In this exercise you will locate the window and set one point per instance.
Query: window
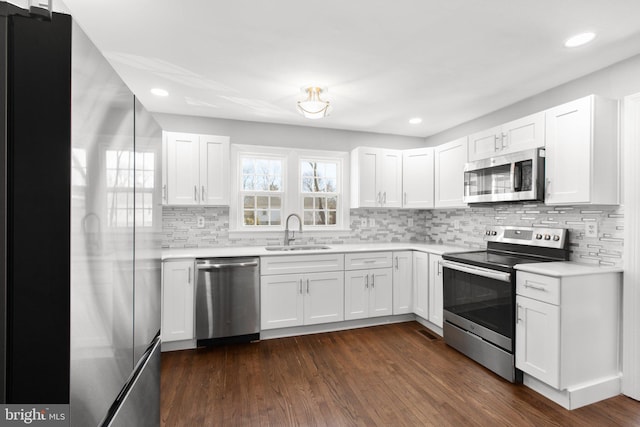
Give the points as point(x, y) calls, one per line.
point(122, 180)
point(319, 192)
point(272, 182)
point(261, 191)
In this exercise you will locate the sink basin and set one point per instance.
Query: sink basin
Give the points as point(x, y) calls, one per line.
point(296, 248)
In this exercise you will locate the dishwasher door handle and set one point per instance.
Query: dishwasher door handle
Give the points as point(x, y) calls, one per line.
point(226, 265)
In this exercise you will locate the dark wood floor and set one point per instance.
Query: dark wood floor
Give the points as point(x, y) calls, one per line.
point(389, 375)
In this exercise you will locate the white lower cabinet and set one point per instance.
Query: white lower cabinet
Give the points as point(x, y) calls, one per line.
point(568, 335)
point(178, 278)
point(421, 284)
point(301, 299)
point(435, 289)
point(368, 293)
point(403, 282)
point(297, 299)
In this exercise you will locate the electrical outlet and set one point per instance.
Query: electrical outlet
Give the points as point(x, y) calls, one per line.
point(363, 222)
point(372, 222)
point(410, 222)
point(200, 222)
point(591, 229)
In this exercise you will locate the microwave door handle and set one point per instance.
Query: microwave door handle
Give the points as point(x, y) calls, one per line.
point(516, 176)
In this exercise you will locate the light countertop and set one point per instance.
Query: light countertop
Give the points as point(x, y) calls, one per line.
point(565, 269)
point(242, 251)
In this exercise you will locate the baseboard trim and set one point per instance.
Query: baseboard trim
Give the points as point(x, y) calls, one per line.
point(580, 395)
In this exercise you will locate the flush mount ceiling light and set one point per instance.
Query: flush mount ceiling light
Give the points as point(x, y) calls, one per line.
point(313, 107)
point(579, 39)
point(415, 120)
point(159, 92)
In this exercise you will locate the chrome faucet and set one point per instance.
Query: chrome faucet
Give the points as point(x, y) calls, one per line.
point(288, 239)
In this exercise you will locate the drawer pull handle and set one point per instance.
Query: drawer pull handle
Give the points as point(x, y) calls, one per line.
point(537, 288)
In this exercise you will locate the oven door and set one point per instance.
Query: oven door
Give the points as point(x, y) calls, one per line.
point(480, 301)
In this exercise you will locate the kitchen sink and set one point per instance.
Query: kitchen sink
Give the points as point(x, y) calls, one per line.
point(296, 248)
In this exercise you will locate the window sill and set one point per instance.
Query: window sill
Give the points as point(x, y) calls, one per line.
point(279, 232)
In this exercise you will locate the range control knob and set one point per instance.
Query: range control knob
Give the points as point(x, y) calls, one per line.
point(547, 237)
point(488, 233)
point(493, 233)
point(539, 236)
point(556, 238)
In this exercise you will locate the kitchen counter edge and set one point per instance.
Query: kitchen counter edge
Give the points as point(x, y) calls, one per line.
point(566, 269)
point(246, 251)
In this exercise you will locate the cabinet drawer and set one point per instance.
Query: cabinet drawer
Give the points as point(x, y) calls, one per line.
point(538, 287)
point(359, 261)
point(291, 264)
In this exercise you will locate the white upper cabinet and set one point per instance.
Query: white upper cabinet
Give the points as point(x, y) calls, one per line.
point(521, 134)
point(376, 177)
point(582, 153)
point(450, 159)
point(417, 178)
point(197, 169)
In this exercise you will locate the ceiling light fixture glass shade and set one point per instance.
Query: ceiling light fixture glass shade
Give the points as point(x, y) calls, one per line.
point(579, 39)
point(313, 107)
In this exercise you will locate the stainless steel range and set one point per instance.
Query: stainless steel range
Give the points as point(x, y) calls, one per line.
point(480, 292)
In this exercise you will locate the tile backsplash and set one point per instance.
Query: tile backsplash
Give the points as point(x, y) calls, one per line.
point(463, 227)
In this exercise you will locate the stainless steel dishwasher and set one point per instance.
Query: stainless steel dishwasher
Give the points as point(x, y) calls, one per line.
point(227, 300)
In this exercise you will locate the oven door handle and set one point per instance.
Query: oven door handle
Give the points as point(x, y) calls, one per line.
point(478, 271)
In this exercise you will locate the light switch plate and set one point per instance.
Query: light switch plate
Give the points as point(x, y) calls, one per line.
point(591, 229)
point(200, 222)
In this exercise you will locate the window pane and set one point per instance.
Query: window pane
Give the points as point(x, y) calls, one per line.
point(275, 202)
point(148, 200)
point(307, 169)
point(112, 160)
point(275, 167)
point(149, 162)
point(308, 203)
point(249, 218)
point(148, 179)
point(332, 218)
point(331, 170)
point(320, 218)
point(248, 168)
point(275, 183)
point(111, 178)
point(307, 185)
point(262, 202)
point(249, 202)
point(308, 218)
point(247, 182)
point(332, 203)
point(330, 186)
point(275, 218)
point(262, 167)
point(262, 218)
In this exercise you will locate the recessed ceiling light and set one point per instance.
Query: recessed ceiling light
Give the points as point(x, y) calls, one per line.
point(159, 92)
point(415, 120)
point(579, 39)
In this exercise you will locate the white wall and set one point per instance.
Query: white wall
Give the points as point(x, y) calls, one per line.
point(256, 133)
point(615, 82)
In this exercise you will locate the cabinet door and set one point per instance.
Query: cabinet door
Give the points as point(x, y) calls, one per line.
point(568, 147)
point(449, 160)
point(485, 144)
point(356, 294)
point(421, 284)
point(403, 282)
point(183, 175)
point(364, 178)
point(538, 340)
point(435, 289)
point(214, 170)
point(523, 134)
point(417, 178)
point(389, 172)
point(281, 301)
point(381, 292)
point(178, 279)
point(324, 297)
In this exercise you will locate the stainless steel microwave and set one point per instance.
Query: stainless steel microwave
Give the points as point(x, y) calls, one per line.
point(510, 178)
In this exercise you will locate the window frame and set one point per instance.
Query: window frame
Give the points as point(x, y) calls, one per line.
point(293, 199)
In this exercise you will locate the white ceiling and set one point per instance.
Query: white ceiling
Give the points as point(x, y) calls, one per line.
point(447, 61)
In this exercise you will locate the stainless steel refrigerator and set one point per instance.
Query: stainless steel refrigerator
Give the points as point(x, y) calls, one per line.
point(80, 184)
